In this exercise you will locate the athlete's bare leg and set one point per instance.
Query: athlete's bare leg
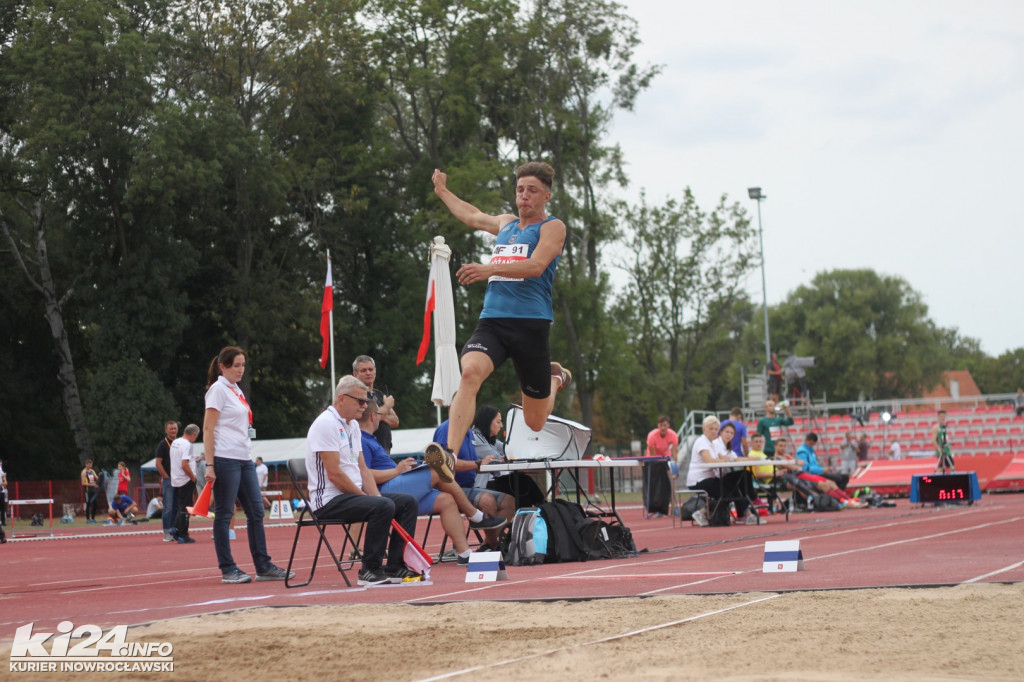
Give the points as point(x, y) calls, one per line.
point(476, 367)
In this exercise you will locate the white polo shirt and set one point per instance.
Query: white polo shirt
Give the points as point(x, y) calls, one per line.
point(330, 433)
point(699, 469)
point(231, 435)
point(181, 456)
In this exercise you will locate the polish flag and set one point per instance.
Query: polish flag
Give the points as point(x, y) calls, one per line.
point(325, 316)
point(414, 556)
point(428, 310)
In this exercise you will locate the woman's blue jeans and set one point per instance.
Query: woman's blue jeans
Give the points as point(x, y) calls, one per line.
point(236, 479)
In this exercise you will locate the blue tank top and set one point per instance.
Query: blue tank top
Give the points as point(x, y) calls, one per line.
point(528, 297)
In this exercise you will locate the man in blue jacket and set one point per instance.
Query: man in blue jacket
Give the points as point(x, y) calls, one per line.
point(813, 466)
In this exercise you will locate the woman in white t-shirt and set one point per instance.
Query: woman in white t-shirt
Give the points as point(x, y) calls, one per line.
point(733, 484)
point(227, 430)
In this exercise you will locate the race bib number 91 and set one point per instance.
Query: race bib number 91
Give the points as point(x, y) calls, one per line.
point(508, 253)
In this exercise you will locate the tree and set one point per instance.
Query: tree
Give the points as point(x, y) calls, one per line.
point(870, 335)
point(76, 91)
point(684, 300)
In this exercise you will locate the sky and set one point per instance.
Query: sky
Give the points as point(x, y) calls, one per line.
point(885, 135)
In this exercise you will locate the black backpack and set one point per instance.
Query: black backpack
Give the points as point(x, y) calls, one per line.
point(564, 540)
point(825, 502)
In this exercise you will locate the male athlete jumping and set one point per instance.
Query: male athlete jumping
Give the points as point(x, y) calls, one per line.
point(516, 319)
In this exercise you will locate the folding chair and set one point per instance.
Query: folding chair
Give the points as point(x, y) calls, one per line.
point(299, 476)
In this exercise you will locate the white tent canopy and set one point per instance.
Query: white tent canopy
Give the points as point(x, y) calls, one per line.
point(405, 443)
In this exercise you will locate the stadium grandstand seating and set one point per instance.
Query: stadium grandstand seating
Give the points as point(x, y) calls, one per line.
point(985, 429)
point(986, 439)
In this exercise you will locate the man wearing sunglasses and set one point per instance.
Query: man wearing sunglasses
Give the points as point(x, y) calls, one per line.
point(341, 487)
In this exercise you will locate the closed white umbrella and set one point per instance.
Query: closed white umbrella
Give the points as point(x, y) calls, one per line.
point(446, 358)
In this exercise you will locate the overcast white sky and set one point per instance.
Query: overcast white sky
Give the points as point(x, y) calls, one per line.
point(885, 134)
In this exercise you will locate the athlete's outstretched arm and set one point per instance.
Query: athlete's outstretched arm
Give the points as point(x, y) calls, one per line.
point(463, 210)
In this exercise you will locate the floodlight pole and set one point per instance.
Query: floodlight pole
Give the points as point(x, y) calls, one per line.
point(755, 194)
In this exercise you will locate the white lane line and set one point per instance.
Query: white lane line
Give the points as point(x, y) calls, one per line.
point(635, 576)
point(835, 554)
point(996, 572)
point(612, 638)
point(906, 541)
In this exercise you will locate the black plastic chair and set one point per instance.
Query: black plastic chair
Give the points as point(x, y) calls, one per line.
point(299, 476)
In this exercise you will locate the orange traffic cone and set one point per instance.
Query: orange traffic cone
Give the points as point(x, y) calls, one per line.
point(202, 507)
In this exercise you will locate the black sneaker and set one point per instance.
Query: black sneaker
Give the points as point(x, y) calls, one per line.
point(370, 577)
point(401, 574)
point(235, 577)
point(463, 560)
point(488, 522)
point(441, 461)
point(185, 540)
point(274, 573)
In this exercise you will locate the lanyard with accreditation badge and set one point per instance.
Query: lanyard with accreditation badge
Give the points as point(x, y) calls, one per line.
point(238, 392)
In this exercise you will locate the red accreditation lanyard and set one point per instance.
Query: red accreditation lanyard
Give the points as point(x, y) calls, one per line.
point(241, 397)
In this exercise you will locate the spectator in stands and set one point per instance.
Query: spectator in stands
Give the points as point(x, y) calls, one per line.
point(341, 487)
point(365, 369)
point(734, 484)
point(940, 439)
point(155, 508)
point(863, 448)
point(263, 478)
point(895, 451)
point(124, 478)
point(739, 443)
point(771, 425)
point(422, 483)
point(183, 478)
point(848, 453)
point(228, 429)
point(122, 509)
point(467, 465)
point(163, 467)
point(1018, 402)
point(663, 441)
point(813, 466)
point(90, 490)
point(487, 425)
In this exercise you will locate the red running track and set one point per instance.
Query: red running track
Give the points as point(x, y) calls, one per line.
point(132, 577)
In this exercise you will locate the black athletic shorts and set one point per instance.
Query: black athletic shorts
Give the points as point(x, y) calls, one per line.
point(523, 340)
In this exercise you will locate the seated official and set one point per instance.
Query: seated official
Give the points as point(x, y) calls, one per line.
point(467, 465)
point(486, 426)
point(422, 483)
point(734, 484)
point(342, 488)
